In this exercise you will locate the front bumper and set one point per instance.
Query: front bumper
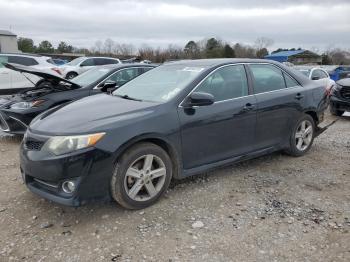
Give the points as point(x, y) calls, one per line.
point(44, 174)
point(12, 124)
point(339, 104)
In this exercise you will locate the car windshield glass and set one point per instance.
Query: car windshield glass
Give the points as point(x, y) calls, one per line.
point(76, 61)
point(90, 76)
point(305, 72)
point(160, 84)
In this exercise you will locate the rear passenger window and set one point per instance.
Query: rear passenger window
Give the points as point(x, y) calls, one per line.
point(290, 82)
point(145, 69)
point(226, 83)
point(267, 78)
point(3, 60)
point(26, 61)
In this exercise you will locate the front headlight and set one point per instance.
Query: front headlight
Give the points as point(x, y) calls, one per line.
point(60, 145)
point(26, 105)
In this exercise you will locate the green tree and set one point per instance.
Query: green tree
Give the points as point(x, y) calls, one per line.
point(63, 47)
point(192, 50)
point(45, 47)
point(262, 53)
point(26, 45)
point(228, 52)
point(213, 48)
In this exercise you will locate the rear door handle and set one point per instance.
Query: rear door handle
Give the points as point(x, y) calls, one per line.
point(299, 96)
point(248, 107)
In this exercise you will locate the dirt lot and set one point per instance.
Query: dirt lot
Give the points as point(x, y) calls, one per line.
point(274, 208)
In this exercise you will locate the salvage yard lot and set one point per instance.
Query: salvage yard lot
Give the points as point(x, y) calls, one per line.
point(274, 208)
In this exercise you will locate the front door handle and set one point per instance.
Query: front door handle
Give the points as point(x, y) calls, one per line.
point(248, 107)
point(299, 96)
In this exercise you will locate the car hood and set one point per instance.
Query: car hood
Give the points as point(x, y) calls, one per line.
point(40, 73)
point(344, 82)
point(97, 113)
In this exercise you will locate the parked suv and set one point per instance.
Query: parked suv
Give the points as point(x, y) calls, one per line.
point(340, 97)
point(83, 64)
point(179, 119)
point(13, 81)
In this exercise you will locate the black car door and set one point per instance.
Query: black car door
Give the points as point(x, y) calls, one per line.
point(223, 129)
point(120, 77)
point(280, 103)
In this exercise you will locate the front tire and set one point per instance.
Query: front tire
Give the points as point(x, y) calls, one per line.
point(302, 136)
point(141, 176)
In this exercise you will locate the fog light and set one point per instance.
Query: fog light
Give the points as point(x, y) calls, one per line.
point(68, 187)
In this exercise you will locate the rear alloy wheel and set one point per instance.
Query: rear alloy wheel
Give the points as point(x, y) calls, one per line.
point(141, 176)
point(302, 136)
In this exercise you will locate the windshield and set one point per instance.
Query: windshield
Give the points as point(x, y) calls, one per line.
point(90, 76)
point(159, 84)
point(76, 61)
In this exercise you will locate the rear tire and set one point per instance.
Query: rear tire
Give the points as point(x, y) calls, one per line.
point(71, 75)
point(141, 176)
point(335, 112)
point(302, 137)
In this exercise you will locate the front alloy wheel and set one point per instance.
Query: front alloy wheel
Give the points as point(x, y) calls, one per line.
point(141, 176)
point(145, 178)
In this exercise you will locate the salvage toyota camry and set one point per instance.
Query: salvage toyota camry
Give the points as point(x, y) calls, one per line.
point(177, 120)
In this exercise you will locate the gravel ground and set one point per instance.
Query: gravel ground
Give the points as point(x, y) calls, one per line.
point(274, 208)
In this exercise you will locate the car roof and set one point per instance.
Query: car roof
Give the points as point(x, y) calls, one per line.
point(21, 54)
point(218, 61)
point(119, 66)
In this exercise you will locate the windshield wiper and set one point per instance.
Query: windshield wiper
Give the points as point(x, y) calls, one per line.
point(129, 98)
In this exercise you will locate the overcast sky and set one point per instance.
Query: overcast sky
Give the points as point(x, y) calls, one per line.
point(290, 23)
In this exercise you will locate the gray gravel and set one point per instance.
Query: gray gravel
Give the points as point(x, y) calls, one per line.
point(274, 208)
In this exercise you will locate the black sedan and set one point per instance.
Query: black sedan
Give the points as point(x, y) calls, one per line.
point(177, 120)
point(340, 97)
point(18, 111)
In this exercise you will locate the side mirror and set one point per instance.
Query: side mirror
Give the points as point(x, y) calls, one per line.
point(315, 78)
point(108, 86)
point(200, 99)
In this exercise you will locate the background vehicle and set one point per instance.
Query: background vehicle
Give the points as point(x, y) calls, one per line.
point(83, 64)
point(338, 72)
point(340, 97)
point(177, 120)
point(59, 62)
point(18, 111)
point(13, 81)
point(317, 74)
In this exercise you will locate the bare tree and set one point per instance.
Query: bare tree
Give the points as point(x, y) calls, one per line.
point(263, 42)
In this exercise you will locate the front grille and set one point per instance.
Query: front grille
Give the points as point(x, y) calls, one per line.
point(33, 145)
point(345, 92)
point(3, 124)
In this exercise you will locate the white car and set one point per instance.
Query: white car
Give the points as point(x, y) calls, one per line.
point(317, 74)
point(13, 81)
point(83, 64)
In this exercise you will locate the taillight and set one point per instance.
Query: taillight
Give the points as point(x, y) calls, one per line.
point(56, 70)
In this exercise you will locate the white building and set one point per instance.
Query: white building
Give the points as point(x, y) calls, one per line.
point(8, 42)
